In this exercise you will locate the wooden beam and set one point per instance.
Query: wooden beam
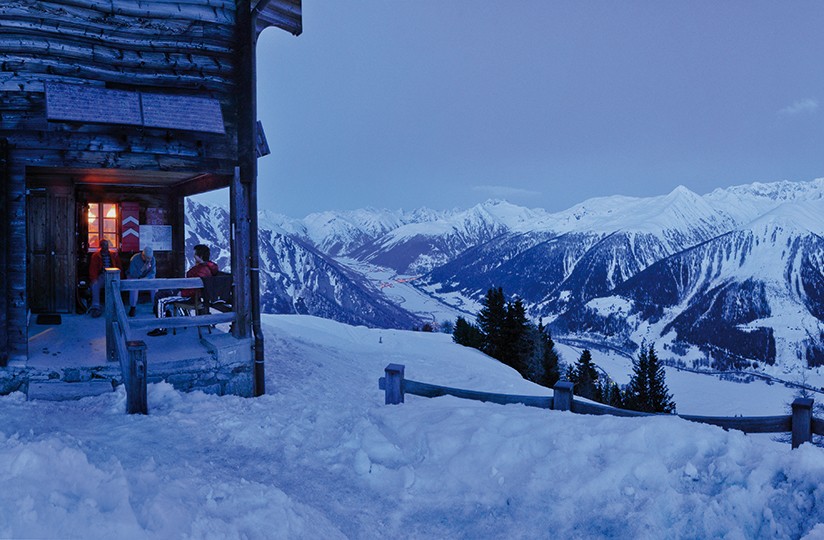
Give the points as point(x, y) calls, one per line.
point(16, 286)
point(5, 247)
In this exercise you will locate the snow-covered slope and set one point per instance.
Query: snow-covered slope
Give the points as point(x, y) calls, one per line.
point(321, 456)
point(753, 294)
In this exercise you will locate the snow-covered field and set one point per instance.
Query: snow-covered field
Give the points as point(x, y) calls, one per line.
point(321, 456)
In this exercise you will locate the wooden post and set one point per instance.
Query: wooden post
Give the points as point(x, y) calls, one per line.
point(802, 421)
point(17, 300)
point(562, 398)
point(112, 277)
point(136, 402)
point(4, 250)
point(394, 384)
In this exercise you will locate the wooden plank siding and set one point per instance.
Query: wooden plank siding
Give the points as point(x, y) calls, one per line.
point(5, 249)
point(181, 47)
point(16, 260)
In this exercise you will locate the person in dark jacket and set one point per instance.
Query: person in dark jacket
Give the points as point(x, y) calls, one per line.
point(203, 267)
point(141, 266)
point(101, 259)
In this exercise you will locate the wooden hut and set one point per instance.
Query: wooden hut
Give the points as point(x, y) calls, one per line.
point(111, 113)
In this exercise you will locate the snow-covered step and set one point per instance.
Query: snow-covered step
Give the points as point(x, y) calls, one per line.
point(63, 391)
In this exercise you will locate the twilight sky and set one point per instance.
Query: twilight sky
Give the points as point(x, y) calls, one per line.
point(543, 103)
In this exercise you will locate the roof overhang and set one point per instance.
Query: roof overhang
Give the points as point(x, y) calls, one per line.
point(181, 183)
point(284, 14)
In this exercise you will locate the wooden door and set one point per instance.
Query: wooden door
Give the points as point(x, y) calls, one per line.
point(50, 249)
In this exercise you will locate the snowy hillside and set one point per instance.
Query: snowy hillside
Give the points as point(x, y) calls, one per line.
point(321, 456)
point(752, 295)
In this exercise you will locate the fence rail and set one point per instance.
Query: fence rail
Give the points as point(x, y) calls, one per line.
point(800, 423)
point(121, 343)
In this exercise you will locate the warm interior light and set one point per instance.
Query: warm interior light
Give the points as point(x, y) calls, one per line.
point(112, 213)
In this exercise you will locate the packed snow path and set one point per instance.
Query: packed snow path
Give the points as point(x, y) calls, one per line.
point(321, 456)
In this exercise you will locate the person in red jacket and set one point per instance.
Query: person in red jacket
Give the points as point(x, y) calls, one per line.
point(203, 267)
point(101, 259)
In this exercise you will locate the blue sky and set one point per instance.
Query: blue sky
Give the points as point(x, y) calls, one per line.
point(544, 103)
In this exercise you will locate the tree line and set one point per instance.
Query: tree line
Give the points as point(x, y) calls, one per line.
point(504, 332)
point(647, 389)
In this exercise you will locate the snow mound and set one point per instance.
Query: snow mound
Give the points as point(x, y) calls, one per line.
point(321, 456)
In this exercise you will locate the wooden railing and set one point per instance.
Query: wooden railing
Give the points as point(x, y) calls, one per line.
point(800, 423)
point(122, 344)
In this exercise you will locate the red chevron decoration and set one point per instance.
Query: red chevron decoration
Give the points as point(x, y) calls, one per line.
point(130, 226)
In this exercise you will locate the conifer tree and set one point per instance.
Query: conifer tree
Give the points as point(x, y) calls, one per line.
point(660, 400)
point(613, 395)
point(637, 396)
point(585, 377)
point(647, 390)
point(517, 347)
point(467, 334)
point(491, 323)
point(549, 361)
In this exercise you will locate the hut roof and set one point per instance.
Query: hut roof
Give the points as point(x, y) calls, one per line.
point(285, 14)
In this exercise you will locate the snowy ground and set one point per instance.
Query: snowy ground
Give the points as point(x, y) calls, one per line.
point(321, 456)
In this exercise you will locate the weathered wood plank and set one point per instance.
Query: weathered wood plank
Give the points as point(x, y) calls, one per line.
point(170, 36)
point(161, 283)
point(118, 11)
point(120, 160)
point(16, 285)
point(431, 390)
point(4, 245)
point(33, 50)
point(181, 322)
point(818, 426)
point(751, 424)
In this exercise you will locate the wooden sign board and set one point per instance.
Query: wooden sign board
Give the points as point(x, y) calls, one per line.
point(182, 112)
point(92, 104)
point(82, 103)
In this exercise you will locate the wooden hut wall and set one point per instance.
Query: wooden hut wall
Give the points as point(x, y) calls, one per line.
point(172, 47)
point(4, 249)
point(158, 46)
point(16, 258)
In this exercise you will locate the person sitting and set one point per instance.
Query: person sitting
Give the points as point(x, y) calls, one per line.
point(141, 266)
point(102, 258)
point(203, 267)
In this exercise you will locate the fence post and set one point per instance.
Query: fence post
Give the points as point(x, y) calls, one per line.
point(802, 422)
point(562, 396)
point(136, 402)
point(112, 277)
point(393, 391)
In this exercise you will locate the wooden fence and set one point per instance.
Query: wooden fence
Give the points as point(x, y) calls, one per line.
point(800, 423)
point(121, 342)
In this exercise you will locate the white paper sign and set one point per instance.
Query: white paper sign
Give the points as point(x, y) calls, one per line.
point(159, 237)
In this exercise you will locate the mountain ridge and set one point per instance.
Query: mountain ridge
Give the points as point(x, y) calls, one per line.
point(732, 275)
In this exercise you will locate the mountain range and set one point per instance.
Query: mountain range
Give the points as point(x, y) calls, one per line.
point(729, 279)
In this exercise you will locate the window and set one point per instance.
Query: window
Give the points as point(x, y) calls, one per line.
point(103, 221)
